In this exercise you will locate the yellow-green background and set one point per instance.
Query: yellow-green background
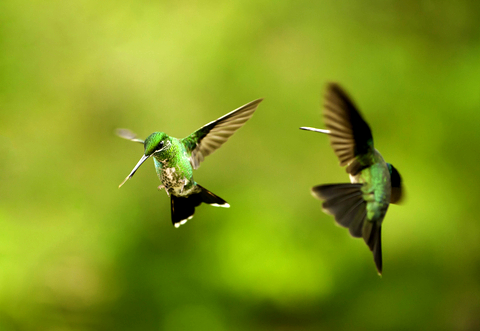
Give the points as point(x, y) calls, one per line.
point(77, 253)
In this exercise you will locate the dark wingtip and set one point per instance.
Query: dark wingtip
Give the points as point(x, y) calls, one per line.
point(336, 88)
point(255, 102)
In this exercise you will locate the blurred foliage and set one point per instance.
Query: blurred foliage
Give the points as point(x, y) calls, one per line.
point(77, 253)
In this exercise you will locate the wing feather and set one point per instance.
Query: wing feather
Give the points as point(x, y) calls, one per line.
point(350, 135)
point(210, 137)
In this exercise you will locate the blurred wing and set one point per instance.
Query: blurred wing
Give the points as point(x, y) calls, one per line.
point(127, 134)
point(350, 135)
point(346, 203)
point(210, 137)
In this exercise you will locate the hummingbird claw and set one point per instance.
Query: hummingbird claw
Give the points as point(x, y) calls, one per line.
point(161, 187)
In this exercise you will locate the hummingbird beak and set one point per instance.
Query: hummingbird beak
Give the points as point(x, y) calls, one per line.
point(315, 130)
point(143, 159)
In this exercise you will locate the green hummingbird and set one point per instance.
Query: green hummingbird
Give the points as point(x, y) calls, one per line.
point(362, 204)
point(175, 160)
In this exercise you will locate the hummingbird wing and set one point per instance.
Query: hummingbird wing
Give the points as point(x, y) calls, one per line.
point(210, 137)
point(350, 135)
point(127, 134)
point(347, 204)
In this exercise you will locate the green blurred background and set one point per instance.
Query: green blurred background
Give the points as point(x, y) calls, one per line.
point(77, 253)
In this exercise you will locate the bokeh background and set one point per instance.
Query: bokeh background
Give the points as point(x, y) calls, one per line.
point(77, 253)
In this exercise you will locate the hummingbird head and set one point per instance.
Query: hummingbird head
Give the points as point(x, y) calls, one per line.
point(396, 182)
point(155, 142)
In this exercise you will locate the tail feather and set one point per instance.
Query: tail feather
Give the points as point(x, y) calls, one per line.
point(212, 199)
point(345, 202)
point(183, 208)
point(375, 245)
point(372, 235)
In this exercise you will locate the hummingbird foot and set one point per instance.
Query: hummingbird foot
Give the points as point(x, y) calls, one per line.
point(163, 187)
point(184, 182)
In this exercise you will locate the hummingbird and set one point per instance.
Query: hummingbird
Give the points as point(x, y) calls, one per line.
point(362, 204)
point(175, 159)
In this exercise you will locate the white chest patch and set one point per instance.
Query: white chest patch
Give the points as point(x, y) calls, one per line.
point(169, 172)
point(174, 182)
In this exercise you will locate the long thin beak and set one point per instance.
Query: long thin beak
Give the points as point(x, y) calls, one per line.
point(315, 130)
point(143, 159)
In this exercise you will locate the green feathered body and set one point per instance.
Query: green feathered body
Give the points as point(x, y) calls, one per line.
point(174, 169)
point(376, 187)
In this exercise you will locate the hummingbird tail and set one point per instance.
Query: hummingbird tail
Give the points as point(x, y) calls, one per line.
point(372, 234)
point(345, 202)
point(183, 208)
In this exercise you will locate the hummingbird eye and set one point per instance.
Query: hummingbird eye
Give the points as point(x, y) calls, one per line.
point(159, 146)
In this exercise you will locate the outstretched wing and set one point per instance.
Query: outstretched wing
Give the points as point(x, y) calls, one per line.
point(350, 135)
point(210, 137)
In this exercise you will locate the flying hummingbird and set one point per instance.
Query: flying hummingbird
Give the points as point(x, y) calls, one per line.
point(175, 160)
point(362, 204)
